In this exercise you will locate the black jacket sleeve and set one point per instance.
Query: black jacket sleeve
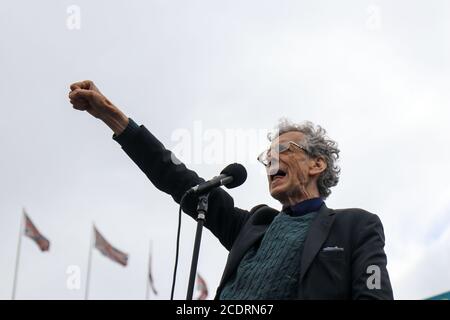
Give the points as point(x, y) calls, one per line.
point(171, 176)
point(370, 278)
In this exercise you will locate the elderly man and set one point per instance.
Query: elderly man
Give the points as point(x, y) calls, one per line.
point(306, 251)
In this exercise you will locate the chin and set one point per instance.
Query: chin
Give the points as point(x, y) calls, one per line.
point(278, 193)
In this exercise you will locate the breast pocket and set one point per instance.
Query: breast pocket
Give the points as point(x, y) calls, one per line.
point(330, 268)
point(332, 254)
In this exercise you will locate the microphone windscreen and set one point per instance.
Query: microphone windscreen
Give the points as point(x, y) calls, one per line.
point(238, 172)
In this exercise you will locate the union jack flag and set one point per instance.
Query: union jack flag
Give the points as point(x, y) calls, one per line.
point(201, 286)
point(108, 250)
point(32, 232)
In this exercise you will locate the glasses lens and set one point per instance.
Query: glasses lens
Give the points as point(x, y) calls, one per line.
point(282, 147)
point(279, 148)
point(274, 151)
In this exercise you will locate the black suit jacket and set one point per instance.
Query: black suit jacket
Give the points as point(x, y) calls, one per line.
point(343, 255)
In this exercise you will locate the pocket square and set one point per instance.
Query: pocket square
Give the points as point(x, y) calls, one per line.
point(335, 248)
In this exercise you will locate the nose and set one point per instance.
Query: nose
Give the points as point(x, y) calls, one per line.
point(273, 166)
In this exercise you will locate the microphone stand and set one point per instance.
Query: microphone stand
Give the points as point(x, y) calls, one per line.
point(202, 209)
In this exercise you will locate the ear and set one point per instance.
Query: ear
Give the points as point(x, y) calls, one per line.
point(317, 165)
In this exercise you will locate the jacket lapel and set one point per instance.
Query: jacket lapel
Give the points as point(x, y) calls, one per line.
point(317, 234)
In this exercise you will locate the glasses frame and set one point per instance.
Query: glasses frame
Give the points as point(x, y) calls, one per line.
point(287, 145)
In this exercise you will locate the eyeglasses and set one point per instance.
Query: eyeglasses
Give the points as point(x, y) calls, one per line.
point(265, 156)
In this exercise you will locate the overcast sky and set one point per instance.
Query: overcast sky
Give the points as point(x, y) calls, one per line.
point(374, 74)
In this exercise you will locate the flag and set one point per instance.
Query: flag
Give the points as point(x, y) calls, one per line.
point(108, 250)
point(201, 286)
point(150, 277)
point(32, 232)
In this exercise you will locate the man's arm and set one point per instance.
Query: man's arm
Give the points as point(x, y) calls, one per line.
point(171, 176)
point(159, 164)
point(370, 278)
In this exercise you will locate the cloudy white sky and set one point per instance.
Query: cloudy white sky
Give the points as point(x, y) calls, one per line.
point(375, 74)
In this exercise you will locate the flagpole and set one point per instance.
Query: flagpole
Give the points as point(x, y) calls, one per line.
point(147, 292)
point(88, 276)
point(19, 246)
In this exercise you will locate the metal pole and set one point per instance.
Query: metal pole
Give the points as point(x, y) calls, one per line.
point(88, 277)
point(147, 278)
point(194, 262)
point(19, 246)
point(202, 209)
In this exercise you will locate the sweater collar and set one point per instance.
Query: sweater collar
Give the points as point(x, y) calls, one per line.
point(304, 207)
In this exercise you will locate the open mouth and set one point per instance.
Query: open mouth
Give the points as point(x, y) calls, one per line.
point(280, 174)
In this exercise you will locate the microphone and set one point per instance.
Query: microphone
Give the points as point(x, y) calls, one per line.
point(231, 177)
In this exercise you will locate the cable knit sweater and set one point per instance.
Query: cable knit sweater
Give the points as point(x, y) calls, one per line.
point(271, 271)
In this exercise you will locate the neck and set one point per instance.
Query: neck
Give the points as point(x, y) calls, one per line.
point(298, 196)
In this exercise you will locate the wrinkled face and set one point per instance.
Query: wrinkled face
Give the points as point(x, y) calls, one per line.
point(289, 172)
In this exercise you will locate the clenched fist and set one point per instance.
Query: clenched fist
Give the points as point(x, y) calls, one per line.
point(85, 96)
